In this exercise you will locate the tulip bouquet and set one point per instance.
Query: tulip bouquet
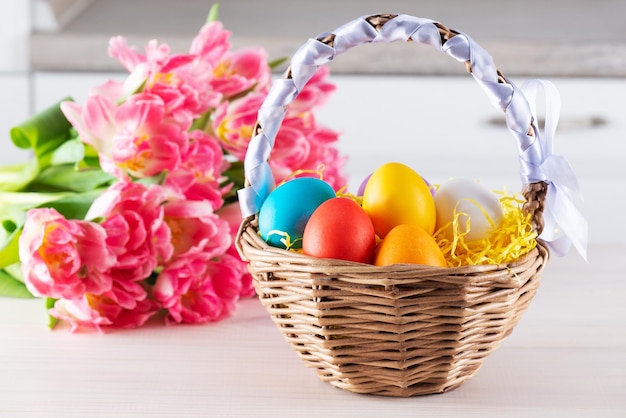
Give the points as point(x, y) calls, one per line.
point(127, 210)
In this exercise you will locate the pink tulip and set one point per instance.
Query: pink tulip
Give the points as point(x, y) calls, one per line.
point(136, 232)
point(109, 309)
point(315, 93)
point(183, 81)
point(111, 90)
point(211, 43)
point(155, 73)
point(128, 56)
point(233, 122)
point(240, 71)
point(191, 286)
point(157, 58)
point(181, 103)
point(136, 317)
point(301, 143)
point(166, 242)
point(199, 176)
point(291, 150)
point(218, 74)
point(195, 289)
point(182, 84)
point(95, 122)
point(145, 143)
point(324, 152)
point(246, 287)
point(194, 227)
point(80, 314)
point(232, 215)
point(63, 258)
point(134, 138)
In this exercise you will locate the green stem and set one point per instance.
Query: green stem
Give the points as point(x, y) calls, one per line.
point(213, 13)
point(29, 200)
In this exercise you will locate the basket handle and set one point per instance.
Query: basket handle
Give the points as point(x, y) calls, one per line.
point(389, 28)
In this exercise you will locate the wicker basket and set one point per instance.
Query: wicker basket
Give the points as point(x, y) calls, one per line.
point(399, 330)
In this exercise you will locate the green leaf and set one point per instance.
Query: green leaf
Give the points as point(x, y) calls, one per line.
point(69, 204)
point(90, 152)
point(52, 321)
point(90, 160)
point(9, 252)
point(235, 175)
point(71, 151)
point(13, 208)
point(17, 176)
point(68, 177)
point(43, 132)
point(9, 225)
point(74, 206)
point(13, 204)
point(201, 122)
point(11, 287)
point(158, 179)
point(88, 163)
point(213, 13)
point(277, 62)
point(242, 94)
point(15, 270)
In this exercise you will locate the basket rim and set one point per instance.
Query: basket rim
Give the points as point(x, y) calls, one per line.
point(253, 249)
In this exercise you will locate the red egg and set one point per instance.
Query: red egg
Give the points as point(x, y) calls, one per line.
point(339, 228)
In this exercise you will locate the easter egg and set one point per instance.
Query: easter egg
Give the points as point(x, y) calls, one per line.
point(395, 194)
point(361, 188)
point(409, 244)
point(430, 187)
point(339, 228)
point(479, 210)
point(285, 212)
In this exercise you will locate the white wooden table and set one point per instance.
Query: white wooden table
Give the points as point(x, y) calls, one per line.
point(566, 358)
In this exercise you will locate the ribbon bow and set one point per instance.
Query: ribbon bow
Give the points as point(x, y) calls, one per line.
point(564, 225)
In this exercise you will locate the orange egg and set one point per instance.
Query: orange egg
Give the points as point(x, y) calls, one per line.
point(395, 194)
point(409, 244)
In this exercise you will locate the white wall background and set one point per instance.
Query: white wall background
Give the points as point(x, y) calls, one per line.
point(14, 75)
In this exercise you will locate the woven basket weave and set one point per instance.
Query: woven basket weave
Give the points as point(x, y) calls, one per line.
point(400, 330)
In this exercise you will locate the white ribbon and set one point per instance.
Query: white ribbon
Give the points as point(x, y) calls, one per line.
point(304, 64)
point(564, 225)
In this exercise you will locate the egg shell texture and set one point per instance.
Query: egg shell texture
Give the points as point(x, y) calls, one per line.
point(339, 228)
point(409, 244)
point(395, 194)
point(286, 211)
point(473, 199)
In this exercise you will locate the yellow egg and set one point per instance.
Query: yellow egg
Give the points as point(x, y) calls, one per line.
point(394, 195)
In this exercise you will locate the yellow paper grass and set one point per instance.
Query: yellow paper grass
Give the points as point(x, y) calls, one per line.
point(509, 241)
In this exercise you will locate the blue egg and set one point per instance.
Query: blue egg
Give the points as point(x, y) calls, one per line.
point(286, 211)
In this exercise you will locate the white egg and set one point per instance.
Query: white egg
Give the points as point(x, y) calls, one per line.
point(470, 199)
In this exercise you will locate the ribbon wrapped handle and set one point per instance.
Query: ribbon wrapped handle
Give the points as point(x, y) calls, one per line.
point(535, 154)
